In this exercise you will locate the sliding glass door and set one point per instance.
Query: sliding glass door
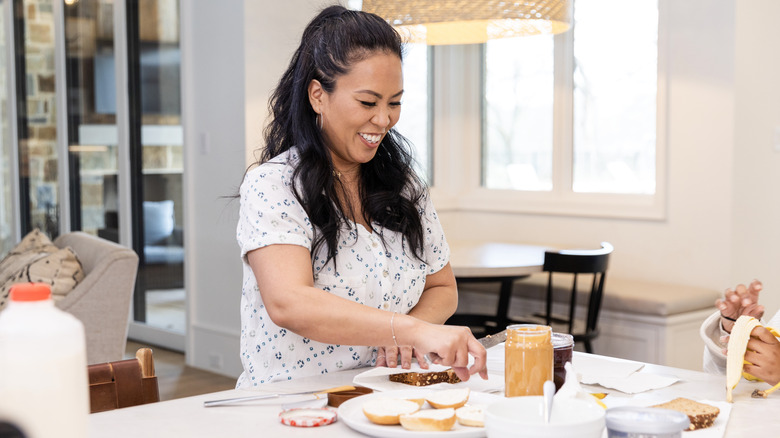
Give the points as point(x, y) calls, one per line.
point(99, 142)
point(8, 234)
point(91, 116)
point(156, 139)
point(36, 122)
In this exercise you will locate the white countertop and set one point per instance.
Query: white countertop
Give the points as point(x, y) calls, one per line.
point(186, 417)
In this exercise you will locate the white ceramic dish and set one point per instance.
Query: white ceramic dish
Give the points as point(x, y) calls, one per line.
point(351, 413)
point(522, 417)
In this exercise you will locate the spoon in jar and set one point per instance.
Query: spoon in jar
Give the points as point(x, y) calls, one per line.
point(549, 391)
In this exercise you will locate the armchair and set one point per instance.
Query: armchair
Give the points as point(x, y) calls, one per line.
point(102, 300)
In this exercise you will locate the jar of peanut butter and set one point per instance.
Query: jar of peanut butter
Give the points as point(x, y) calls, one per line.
point(528, 359)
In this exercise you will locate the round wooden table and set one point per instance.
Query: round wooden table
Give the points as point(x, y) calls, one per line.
point(501, 263)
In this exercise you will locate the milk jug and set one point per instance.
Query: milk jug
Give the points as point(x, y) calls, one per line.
point(43, 366)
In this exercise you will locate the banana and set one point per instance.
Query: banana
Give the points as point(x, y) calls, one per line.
point(735, 360)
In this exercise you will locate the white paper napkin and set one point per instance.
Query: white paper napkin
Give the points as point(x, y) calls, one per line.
point(618, 374)
point(377, 379)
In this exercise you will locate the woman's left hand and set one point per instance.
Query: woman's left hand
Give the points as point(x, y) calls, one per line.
point(388, 357)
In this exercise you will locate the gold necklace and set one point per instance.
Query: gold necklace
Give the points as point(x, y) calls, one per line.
point(337, 173)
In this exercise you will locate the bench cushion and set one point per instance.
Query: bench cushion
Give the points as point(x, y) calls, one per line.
point(621, 295)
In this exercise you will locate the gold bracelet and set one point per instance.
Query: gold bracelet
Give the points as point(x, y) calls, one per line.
point(392, 329)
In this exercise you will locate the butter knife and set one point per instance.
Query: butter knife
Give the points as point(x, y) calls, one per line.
point(230, 401)
point(493, 340)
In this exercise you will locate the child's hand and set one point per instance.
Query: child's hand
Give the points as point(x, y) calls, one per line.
point(763, 352)
point(742, 301)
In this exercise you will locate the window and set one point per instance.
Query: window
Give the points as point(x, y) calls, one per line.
point(615, 96)
point(518, 129)
point(414, 123)
point(570, 123)
point(612, 85)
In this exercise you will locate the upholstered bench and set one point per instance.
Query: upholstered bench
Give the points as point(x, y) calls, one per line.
point(639, 320)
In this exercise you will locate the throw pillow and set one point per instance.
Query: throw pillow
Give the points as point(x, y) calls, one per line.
point(26, 251)
point(37, 259)
point(158, 221)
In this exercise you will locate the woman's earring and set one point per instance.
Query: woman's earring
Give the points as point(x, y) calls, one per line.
point(318, 121)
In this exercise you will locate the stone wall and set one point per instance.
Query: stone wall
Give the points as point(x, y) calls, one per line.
point(38, 146)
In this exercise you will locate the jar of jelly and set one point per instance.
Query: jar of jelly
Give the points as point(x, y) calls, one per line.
point(563, 344)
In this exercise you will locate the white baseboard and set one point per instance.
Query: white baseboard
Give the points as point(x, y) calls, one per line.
point(214, 349)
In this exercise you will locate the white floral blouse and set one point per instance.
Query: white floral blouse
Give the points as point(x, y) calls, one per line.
point(367, 272)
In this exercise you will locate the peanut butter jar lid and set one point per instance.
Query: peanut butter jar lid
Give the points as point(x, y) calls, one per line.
point(335, 399)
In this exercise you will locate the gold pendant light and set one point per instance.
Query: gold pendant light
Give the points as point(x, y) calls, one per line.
point(438, 22)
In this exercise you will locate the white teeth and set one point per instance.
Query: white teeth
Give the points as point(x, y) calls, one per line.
point(371, 138)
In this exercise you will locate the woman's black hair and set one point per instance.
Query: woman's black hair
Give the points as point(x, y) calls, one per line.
point(390, 191)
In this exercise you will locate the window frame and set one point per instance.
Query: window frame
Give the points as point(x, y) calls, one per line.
point(458, 126)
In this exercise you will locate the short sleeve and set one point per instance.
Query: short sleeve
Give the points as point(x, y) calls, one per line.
point(270, 213)
point(435, 248)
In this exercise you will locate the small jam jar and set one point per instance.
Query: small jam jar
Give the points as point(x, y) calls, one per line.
point(563, 344)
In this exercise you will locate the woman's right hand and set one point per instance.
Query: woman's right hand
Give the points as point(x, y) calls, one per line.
point(743, 300)
point(449, 346)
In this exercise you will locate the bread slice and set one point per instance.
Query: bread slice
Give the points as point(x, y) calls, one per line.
point(429, 420)
point(471, 415)
point(425, 378)
point(420, 401)
point(448, 398)
point(701, 415)
point(387, 411)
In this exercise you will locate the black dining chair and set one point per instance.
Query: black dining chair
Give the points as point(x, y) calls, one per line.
point(577, 262)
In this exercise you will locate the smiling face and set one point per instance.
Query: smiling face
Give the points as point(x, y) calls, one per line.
point(364, 105)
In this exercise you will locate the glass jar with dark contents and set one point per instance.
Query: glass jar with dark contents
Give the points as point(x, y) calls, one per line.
point(563, 343)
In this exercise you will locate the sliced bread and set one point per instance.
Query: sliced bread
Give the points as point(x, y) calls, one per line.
point(448, 398)
point(387, 411)
point(425, 378)
point(471, 415)
point(429, 420)
point(701, 415)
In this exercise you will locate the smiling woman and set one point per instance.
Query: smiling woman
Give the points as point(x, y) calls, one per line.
point(345, 261)
point(358, 113)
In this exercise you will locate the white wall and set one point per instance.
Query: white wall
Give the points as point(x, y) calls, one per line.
point(234, 52)
point(722, 174)
point(756, 202)
point(213, 106)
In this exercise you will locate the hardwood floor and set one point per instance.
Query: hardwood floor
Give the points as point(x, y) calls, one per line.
point(175, 379)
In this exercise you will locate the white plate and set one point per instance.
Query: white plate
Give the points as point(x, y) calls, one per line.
point(377, 379)
point(351, 413)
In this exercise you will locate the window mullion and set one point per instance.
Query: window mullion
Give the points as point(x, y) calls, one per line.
point(563, 116)
point(11, 108)
point(61, 99)
point(122, 124)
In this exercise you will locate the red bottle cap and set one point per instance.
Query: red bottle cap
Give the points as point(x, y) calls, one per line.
point(30, 292)
point(308, 417)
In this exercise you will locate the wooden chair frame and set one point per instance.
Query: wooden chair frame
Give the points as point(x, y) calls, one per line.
point(123, 383)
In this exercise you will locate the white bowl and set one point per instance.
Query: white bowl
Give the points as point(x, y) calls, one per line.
point(524, 417)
